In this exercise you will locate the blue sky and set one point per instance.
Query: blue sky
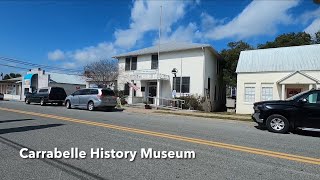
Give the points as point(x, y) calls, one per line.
point(70, 34)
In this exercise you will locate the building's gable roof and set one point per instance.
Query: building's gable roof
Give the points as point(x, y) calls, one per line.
point(166, 47)
point(66, 78)
point(298, 75)
point(285, 59)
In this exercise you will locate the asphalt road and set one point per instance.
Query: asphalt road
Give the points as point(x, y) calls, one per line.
point(259, 154)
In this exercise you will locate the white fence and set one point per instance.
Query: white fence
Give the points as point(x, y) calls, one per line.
point(12, 97)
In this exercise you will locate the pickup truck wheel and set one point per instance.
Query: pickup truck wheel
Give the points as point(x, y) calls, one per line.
point(27, 101)
point(68, 104)
point(42, 103)
point(278, 124)
point(90, 106)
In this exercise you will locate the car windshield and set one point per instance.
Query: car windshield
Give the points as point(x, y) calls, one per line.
point(296, 96)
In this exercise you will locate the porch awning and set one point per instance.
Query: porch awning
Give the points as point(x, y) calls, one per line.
point(298, 78)
point(148, 75)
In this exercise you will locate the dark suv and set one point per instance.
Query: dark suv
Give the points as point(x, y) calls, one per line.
point(299, 111)
point(47, 95)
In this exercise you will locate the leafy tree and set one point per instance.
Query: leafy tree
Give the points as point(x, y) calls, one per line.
point(11, 75)
point(231, 56)
point(289, 39)
point(316, 38)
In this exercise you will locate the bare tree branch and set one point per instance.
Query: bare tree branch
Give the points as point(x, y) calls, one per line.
point(102, 72)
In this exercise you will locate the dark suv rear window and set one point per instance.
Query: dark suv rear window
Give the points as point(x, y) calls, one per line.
point(43, 90)
point(107, 92)
point(59, 91)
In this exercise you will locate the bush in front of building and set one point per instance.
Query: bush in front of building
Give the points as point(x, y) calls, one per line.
point(122, 96)
point(193, 102)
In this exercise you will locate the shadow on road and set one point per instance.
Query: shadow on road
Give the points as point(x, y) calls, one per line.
point(15, 120)
point(307, 133)
point(27, 128)
point(101, 110)
point(65, 167)
point(260, 127)
point(297, 132)
point(111, 110)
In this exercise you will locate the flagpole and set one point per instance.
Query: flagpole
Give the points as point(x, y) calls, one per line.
point(158, 74)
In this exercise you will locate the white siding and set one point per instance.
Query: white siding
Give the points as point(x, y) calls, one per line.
point(191, 62)
point(210, 66)
point(270, 78)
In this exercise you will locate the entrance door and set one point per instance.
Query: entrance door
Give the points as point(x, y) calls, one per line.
point(293, 91)
point(152, 92)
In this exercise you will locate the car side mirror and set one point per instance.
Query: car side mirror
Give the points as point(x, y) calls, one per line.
point(303, 101)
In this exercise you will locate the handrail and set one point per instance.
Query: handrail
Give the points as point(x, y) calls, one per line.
point(166, 102)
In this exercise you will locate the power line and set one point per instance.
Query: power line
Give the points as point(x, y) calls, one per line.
point(17, 67)
point(38, 65)
point(13, 66)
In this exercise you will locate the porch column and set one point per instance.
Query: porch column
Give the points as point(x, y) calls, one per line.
point(130, 97)
point(158, 92)
point(310, 86)
point(283, 91)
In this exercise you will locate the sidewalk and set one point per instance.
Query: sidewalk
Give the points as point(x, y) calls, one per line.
point(215, 115)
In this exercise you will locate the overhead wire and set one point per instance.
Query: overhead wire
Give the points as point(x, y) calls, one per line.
point(37, 65)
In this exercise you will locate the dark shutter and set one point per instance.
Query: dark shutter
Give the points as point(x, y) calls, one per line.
point(134, 63)
point(127, 66)
point(154, 61)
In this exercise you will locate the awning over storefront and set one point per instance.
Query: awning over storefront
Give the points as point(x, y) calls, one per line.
point(27, 79)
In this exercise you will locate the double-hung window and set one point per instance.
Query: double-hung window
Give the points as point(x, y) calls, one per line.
point(154, 61)
point(249, 93)
point(266, 93)
point(131, 63)
point(185, 84)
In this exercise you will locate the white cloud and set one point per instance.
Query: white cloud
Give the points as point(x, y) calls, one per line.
point(208, 22)
point(56, 55)
point(258, 18)
point(145, 17)
point(309, 15)
point(70, 65)
point(93, 53)
point(314, 17)
point(313, 27)
point(189, 33)
point(81, 57)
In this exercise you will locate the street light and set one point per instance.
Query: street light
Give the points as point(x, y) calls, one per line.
point(174, 72)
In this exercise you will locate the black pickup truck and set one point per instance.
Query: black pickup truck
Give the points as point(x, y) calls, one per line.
point(299, 111)
point(47, 95)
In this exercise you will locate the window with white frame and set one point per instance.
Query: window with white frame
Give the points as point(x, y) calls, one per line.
point(249, 93)
point(266, 93)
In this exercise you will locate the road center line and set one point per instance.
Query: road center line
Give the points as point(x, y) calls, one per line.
point(274, 154)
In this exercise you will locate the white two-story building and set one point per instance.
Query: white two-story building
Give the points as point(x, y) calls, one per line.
point(146, 75)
